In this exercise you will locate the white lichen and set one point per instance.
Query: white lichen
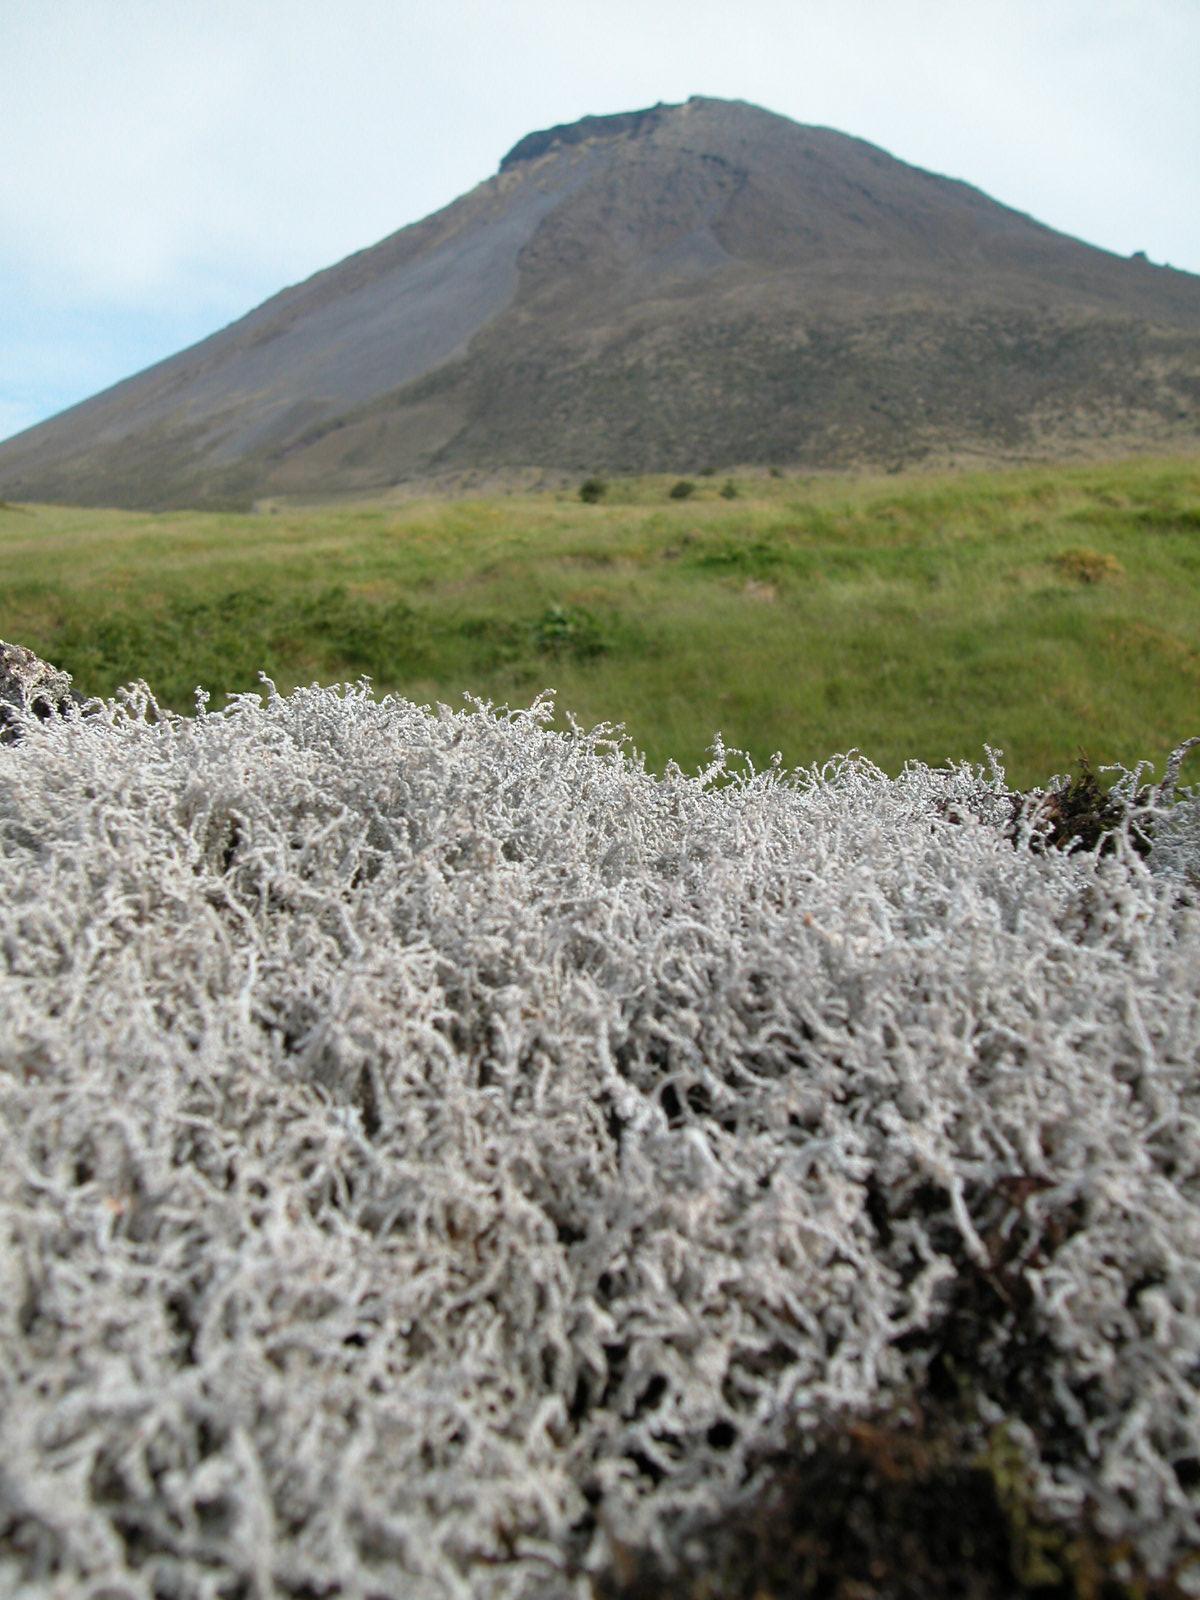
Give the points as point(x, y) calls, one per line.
point(433, 1147)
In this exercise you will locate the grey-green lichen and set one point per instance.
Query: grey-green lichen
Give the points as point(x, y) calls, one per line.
point(439, 1157)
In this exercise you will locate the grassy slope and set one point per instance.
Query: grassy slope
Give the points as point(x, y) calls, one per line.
point(917, 617)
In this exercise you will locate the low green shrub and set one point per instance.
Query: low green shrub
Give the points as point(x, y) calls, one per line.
point(568, 631)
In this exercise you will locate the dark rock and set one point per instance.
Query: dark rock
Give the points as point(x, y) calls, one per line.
point(31, 687)
point(567, 133)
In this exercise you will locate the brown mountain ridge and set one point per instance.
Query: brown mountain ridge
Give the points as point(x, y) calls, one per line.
point(706, 283)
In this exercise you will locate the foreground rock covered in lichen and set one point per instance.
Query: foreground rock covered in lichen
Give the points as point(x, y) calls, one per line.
point(441, 1158)
point(29, 688)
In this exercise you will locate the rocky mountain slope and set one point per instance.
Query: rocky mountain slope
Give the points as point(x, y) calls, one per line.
point(706, 282)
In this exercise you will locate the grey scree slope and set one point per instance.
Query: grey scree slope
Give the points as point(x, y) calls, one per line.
point(349, 1236)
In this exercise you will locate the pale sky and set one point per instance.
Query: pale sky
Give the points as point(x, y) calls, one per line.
point(165, 165)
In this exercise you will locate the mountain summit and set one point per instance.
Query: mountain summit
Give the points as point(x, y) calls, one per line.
point(659, 289)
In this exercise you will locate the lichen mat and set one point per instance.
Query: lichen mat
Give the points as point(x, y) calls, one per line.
point(438, 1152)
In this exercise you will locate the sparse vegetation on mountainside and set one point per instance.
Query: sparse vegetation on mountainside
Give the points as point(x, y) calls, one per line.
point(1040, 610)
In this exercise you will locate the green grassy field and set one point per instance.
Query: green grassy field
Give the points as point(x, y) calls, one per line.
point(1043, 611)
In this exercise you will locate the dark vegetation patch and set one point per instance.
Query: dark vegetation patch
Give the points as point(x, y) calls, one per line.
point(1169, 516)
point(229, 638)
point(569, 630)
point(752, 557)
point(1082, 813)
point(916, 1504)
